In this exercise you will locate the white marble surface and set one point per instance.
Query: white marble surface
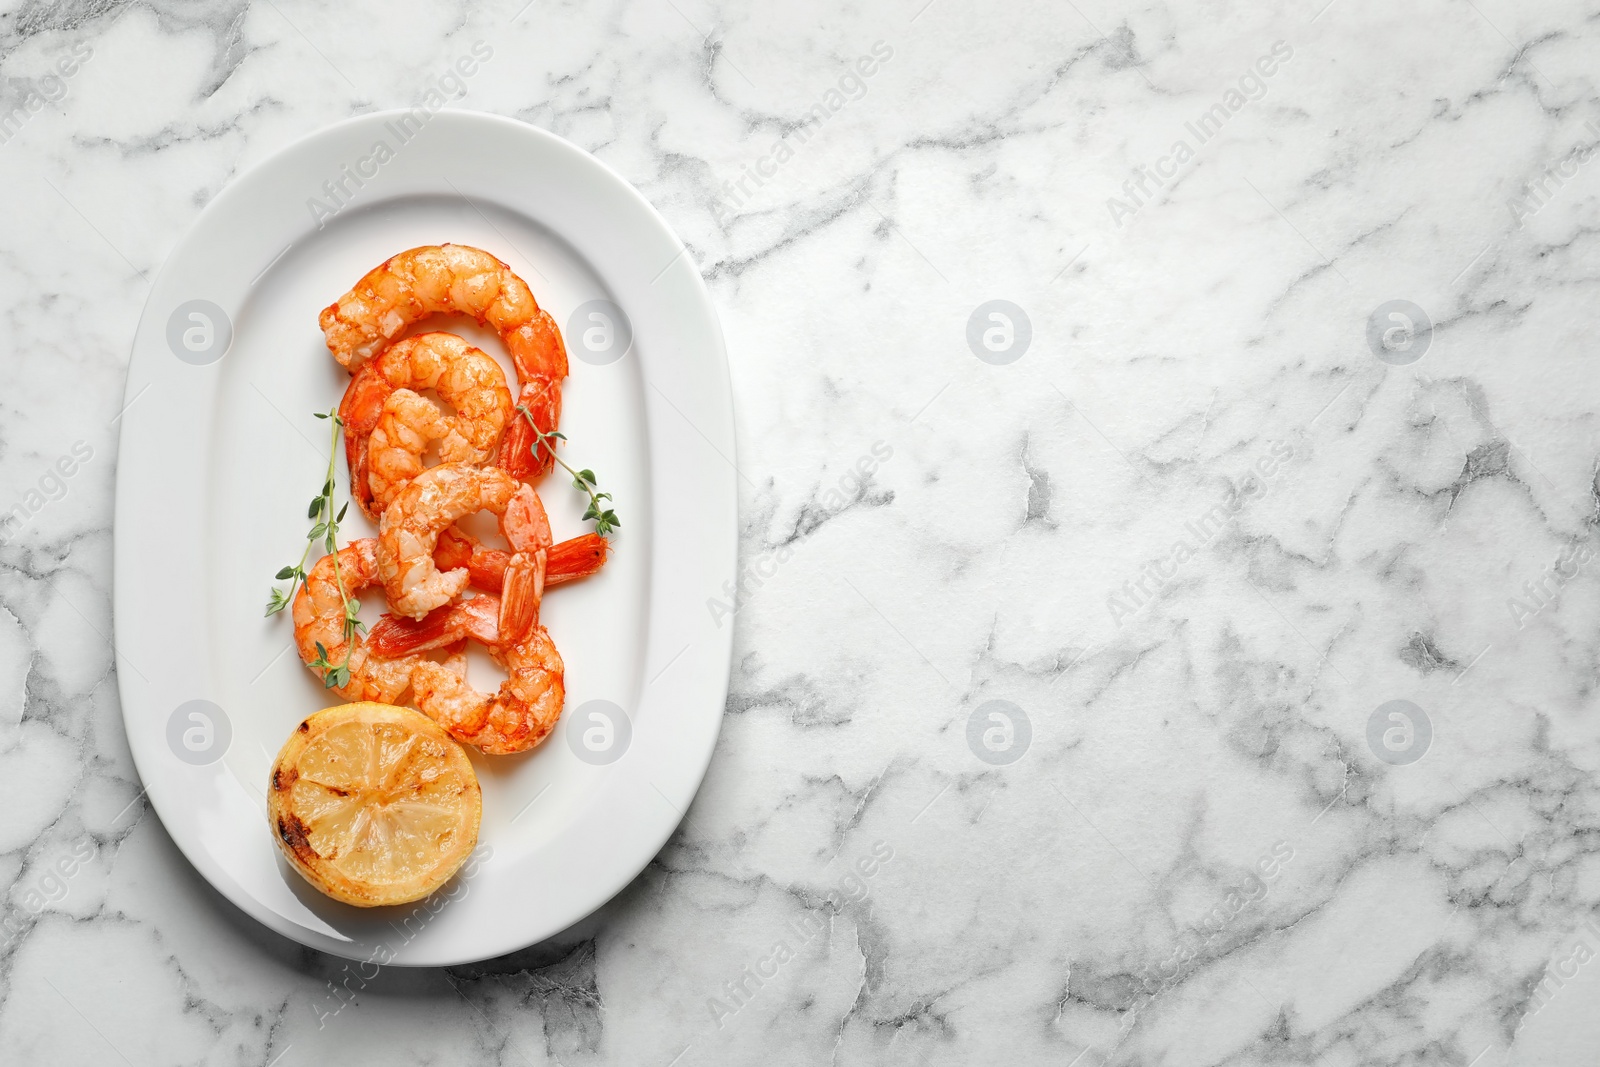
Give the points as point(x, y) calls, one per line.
point(1199, 858)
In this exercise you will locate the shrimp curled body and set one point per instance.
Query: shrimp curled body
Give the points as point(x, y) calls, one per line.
point(319, 618)
point(435, 279)
point(409, 532)
point(389, 425)
point(528, 703)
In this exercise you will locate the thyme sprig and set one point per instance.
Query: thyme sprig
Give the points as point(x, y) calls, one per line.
point(326, 529)
point(605, 519)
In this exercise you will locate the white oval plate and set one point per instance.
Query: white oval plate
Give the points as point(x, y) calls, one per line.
point(220, 459)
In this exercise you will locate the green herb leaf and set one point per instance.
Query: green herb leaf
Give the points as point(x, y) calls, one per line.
point(585, 481)
point(321, 507)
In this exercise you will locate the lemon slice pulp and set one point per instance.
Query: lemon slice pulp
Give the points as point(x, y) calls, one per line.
point(374, 804)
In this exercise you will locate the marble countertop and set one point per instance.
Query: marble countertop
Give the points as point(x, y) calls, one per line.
point(1168, 625)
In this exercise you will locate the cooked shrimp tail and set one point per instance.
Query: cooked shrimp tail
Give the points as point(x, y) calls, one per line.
point(528, 529)
point(574, 558)
point(519, 455)
point(477, 618)
point(521, 593)
point(525, 523)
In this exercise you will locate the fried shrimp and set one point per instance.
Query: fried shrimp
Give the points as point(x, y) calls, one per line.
point(409, 532)
point(319, 619)
point(389, 425)
point(528, 703)
point(435, 279)
point(574, 558)
point(517, 717)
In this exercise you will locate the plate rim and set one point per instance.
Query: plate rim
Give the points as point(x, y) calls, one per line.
point(163, 793)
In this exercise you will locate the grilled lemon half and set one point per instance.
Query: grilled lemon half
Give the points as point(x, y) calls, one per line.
point(374, 804)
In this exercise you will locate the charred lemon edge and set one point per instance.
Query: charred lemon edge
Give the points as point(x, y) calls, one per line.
point(293, 836)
